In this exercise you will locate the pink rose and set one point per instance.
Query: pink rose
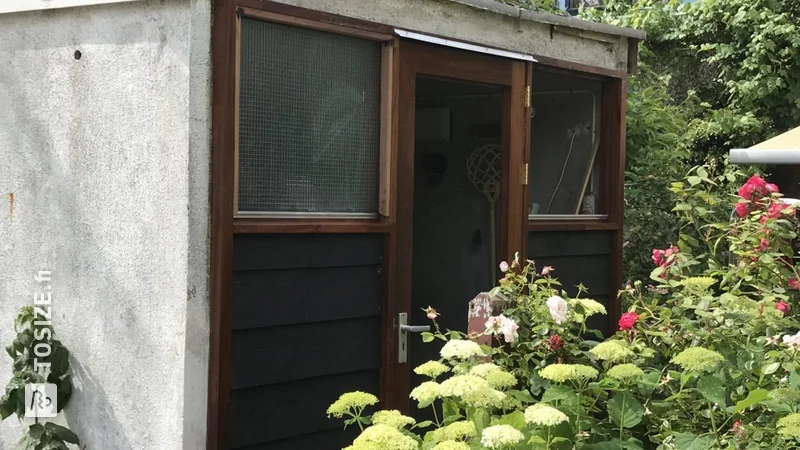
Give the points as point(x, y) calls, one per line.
point(794, 283)
point(504, 267)
point(658, 256)
point(782, 306)
point(546, 270)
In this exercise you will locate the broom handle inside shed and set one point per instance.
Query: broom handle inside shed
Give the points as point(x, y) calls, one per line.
point(493, 250)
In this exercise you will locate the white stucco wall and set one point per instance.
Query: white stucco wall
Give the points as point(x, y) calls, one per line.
point(107, 157)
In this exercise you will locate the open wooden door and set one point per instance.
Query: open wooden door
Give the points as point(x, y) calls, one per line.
point(466, 166)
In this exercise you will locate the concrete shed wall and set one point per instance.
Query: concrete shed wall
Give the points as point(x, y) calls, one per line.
point(107, 159)
point(495, 26)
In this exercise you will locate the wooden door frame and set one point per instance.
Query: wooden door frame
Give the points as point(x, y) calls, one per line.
point(221, 197)
point(437, 61)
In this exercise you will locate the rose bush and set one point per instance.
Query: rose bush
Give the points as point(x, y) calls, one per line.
point(705, 355)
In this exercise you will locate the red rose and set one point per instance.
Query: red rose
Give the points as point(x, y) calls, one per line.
point(555, 342)
point(742, 209)
point(753, 188)
point(763, 245)
point(628, 320)
point(782, 306)
point(794, 283)
point(772, 188)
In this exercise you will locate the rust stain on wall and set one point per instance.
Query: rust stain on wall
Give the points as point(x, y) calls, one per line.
point(10, 205)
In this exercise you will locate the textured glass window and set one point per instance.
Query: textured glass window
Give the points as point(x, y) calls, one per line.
point(309, 120)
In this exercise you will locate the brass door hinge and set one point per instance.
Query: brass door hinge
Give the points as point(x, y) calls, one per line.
point(527, 96)
point(525, 176)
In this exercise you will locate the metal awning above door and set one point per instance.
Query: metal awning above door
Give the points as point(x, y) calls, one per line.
point(463, 45)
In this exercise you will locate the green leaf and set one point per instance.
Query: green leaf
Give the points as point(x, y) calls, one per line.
point(712, 389)
point(557, 393)
point(753, 398)
point(36, 431)
point(450, 408)
point(769, 369)
point(625, 411)
point(481, 419)
point(689, 441)
point(65, 434)
point(8, 404)
point(427, 336)
point(516, 419)
point(424, 424)
point(694, 180)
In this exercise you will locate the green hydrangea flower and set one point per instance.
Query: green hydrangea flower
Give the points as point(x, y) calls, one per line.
point(785, 395)
point(393, 418)
point(698, 285)
point(789, 426)
point(451, 445)
point(351, 402)
point(388, 438)
point(625, 372)
point(568, 372)
point(472, 390)
point(426, 393)
point(612, 351)
point(461, 349)
point(500, 436)
point(496, 376)
point(456, 431)
point(431, 369)
point(698, 359)
point(544, 415)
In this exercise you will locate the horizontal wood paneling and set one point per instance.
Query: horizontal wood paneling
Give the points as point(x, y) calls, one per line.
point(593, 271)
point(279, 354)
point(568, 243)
point(280, 411)
point(306, 328)
point(295, 251)
point(304, 295)
point(333, 439)
point(577, 257)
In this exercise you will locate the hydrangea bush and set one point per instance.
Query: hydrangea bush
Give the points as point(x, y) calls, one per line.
point(706, 355)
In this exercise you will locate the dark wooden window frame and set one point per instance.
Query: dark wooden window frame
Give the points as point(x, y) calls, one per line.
point(257, 222)
point(224, 225)
point(606, 154)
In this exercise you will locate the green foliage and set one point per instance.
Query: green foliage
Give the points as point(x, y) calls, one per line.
point(550, 6)
point(32, 329)
point(706, 358)
point(714, 75)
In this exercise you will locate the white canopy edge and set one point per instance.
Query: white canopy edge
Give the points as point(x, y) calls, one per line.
point(790, 156)
point(463, 45)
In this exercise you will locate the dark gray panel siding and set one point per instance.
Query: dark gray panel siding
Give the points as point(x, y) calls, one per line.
point(306, 323)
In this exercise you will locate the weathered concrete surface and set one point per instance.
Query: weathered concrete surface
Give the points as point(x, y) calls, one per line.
point(491, 24)
point(107, 158)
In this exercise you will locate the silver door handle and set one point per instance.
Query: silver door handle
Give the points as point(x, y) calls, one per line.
point(414, 328)
point(403, 328)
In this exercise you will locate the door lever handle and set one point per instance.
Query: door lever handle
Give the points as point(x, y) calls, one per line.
point(403, 328)
point(414, 328)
